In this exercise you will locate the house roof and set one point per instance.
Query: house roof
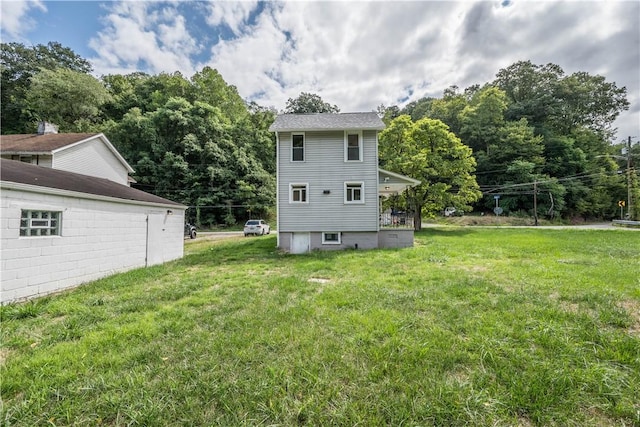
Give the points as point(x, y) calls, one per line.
point(326, 121)
point(393, 183)
point(40, 144)
point(15, 172)
point(51, 143)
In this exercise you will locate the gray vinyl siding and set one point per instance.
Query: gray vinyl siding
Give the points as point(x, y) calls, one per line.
point(323, 169)
point(91, 158)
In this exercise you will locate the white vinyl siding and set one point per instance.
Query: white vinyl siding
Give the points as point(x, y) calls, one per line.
point(91, 158)
point(325, 171)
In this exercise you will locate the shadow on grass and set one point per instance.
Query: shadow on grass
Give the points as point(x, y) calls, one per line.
point(444, 231)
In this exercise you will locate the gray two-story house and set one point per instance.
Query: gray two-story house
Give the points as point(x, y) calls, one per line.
point(329, 186)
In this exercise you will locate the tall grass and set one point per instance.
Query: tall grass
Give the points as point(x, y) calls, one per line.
point(469, 327)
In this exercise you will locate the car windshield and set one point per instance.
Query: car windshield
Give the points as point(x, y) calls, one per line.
point(252, 223)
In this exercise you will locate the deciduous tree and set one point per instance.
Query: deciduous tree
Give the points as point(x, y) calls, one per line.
point(428, 151)
point(309, 103)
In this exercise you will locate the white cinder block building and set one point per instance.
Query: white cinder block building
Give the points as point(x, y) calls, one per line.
point(59, 229)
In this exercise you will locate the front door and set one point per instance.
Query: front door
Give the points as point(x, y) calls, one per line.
point(299, 243)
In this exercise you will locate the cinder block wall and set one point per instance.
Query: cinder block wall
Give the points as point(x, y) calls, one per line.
point(99, 238)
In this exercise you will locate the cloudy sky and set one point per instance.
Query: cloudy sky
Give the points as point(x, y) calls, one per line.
point(357, 55)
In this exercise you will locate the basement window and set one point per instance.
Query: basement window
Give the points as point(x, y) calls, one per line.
point(40, 223)
point(331, 238)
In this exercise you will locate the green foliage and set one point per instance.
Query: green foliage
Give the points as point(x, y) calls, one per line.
point(70, 99)
point(18, 63)
point(426, 150)
point(550, 100)
point(309, 103)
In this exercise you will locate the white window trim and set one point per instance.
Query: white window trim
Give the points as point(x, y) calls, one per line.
point(346, 145)
point(331, 242)
point(298, 184)
point(354, 202)
point(304, 147)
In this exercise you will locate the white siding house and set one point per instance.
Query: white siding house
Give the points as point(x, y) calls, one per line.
point(84, 153)
point(59, 229)
point(329, 185)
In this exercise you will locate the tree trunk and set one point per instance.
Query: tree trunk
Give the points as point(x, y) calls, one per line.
point(417, 219)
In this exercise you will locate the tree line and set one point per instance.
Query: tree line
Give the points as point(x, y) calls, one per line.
point(196, 141)
point(192, 140)
point(532, 129)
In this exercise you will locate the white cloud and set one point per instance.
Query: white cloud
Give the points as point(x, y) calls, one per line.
point(361, 54)
point(234, 14)
point(145, 35)
point(14, 18)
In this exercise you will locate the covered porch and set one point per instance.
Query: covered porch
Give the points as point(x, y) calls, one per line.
point(390, 184)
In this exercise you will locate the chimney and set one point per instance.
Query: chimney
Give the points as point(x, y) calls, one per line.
point(46, 128)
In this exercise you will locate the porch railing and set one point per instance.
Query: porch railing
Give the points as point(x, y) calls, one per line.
point(388, 220)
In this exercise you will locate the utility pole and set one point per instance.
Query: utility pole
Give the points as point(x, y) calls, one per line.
point(535, 202)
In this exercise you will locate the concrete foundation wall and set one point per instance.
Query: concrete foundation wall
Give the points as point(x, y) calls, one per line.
point(396, 238)
point(349, 240)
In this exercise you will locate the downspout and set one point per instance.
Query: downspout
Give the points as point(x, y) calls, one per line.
point(146, 250)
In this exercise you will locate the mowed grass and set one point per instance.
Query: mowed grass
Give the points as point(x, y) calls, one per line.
point(469, 327)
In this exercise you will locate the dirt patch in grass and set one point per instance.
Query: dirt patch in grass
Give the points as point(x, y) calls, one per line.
point(4, 355)
point(633, 308)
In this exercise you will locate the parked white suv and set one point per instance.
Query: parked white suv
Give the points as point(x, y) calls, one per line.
point(257, 227)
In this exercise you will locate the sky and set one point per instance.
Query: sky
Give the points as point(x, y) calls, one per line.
point(356, 54)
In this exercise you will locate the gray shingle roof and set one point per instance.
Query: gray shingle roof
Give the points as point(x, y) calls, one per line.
point(326, 121)
point(12, 171)
point(35, 143)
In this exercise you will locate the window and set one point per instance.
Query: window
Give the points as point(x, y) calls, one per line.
point(354, 192)
point(352, 146)
point(331, 238)
point(298, 193)
point(40, 223)
point(297, 147)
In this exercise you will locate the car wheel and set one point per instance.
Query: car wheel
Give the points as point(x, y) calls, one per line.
point(192, 234)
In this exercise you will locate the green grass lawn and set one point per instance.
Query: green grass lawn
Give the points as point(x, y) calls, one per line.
point(469, 327)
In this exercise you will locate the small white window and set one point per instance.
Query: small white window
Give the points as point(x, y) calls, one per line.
point(331, 238)
point(354, 192)
point(40, 223)
point(298, 193)
point(297, 147)
point(353, 146)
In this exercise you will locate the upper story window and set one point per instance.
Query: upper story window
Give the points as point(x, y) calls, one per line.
point(297, 147)
point(354, 192)
point(40, 223)
point(298, 193)
point(353, 146)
